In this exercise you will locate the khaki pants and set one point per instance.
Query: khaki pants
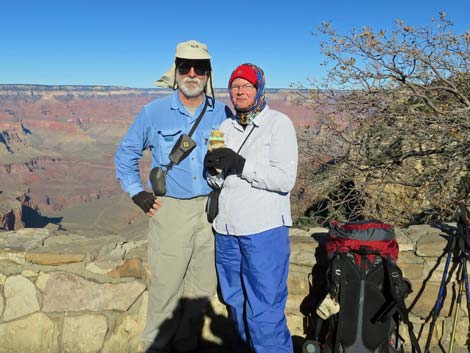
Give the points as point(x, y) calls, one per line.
point(181, 260)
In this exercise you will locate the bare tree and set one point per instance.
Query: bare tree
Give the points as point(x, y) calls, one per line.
point(394, 139)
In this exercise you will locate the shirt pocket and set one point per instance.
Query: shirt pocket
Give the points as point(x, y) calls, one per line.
point(164, 141)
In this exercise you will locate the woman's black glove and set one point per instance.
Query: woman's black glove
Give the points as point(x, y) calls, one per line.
point(144, 200)
point(226, 159)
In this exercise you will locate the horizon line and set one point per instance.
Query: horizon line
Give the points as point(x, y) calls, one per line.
point(123, 87)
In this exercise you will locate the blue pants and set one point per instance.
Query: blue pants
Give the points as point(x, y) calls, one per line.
point(252, 273)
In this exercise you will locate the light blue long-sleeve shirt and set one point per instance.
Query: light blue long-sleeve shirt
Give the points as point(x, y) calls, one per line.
point(157, 128)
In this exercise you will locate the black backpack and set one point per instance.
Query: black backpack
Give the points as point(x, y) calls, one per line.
point(363, 278)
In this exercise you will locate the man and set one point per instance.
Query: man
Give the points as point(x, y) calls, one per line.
point(180, 240)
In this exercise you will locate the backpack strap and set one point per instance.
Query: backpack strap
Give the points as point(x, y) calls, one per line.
point(335, 276)
point(399, 289)
point(337, 282)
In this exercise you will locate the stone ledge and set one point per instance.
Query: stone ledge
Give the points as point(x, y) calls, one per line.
point(68, 288)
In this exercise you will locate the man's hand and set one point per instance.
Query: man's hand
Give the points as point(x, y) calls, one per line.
point(147, 202)
point(226, 159)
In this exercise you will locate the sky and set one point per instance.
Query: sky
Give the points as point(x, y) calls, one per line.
point(132, 43)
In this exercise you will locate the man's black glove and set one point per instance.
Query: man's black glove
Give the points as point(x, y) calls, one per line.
point(144, 200)
point(226, 159)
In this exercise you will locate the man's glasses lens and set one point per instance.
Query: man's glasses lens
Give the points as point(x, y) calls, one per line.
point(199, 69)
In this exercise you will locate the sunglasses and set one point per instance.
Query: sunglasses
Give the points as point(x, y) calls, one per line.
point(199, 69)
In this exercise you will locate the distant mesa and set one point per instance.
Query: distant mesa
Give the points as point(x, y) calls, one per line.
point(18, 211)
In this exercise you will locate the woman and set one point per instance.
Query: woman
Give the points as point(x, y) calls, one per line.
point(259, 167)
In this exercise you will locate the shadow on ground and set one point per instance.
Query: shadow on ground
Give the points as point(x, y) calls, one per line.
point(221, 327)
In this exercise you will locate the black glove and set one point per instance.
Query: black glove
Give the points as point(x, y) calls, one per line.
point(144, 200)
point(226, 159)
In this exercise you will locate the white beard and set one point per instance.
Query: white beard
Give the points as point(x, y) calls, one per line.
point(191, 91)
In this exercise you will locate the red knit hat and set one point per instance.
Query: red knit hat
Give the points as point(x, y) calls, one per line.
point(246, 72)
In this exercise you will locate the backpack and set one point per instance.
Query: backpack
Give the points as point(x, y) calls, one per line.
point(365, 295)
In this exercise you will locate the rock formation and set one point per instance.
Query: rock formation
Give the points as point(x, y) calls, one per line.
point(16, 211)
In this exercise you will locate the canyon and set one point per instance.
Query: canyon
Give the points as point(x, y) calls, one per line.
point(57, 145)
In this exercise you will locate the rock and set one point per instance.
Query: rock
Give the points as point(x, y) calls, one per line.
point(113, 255)
point(297, 232)
point(130, 268)
point(315, 231)
point(13, 204)
point(34, 232)
point(83, 334)
point(14, 245)
point(41, 281)
point(405, 243)
point(20, 295)
point(297, 282)
point(427, 299)
point(123, 248)
point(100, 268)
point(302, 250)
point(461, 330)
point(110, 306)
point(67, 248)
point(53, 227)
point(54, 259)
point(412, 271)
point(409, 257)
point(433, 270)
point(415, 232)
point(33, 334)
point(292, 304)
point(12, 218)
point(411, 265)
point(295, 323)
point(1, 303)
point(139, 252)
point(126, 336)
point(69, 292)
point(12, 256)
point(431, 244)
point(29, 273)
point(293, 315)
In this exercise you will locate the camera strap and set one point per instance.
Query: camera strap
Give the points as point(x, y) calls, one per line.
point(246, 138)
point(193, 128)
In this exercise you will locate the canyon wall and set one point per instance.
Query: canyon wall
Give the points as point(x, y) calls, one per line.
point(57, 143)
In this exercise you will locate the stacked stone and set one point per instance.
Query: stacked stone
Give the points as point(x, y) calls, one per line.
point(69, 293)
point(62, 292)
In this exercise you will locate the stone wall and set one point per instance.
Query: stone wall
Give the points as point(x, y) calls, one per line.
point(78, 293)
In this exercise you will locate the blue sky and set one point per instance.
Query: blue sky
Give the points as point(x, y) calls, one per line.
point(132, 43)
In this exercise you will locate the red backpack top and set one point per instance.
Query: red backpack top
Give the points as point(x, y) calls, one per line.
point(362, 238)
